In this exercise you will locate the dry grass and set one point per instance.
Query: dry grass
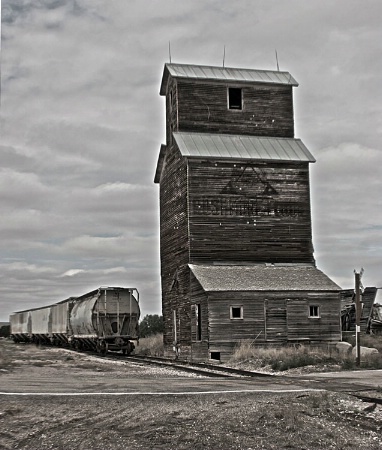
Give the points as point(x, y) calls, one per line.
point(151, 346)
point(5, 355)
point(285, 358)
point(366, 340)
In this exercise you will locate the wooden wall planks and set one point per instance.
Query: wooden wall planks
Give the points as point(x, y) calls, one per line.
point(267, 109)
point(234, 211)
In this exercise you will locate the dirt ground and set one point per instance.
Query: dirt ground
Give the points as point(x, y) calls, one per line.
point(262, 420)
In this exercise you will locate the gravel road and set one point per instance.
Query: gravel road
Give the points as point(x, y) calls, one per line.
point(138, 413)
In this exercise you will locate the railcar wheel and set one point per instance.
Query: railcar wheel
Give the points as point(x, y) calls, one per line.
point(78, 345)
point(102, 347)
point(127, 351)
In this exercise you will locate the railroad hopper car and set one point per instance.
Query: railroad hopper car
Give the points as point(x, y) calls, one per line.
point(60, 322)
point(46, 325)
point(21, 326)
point(104, 319)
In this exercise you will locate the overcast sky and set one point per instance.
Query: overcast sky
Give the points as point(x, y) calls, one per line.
point(82, 123)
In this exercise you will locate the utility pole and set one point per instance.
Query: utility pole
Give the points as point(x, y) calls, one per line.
point(358, 315)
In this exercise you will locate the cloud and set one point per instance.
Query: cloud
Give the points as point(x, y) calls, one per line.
point(72, 273)
point(82, 123)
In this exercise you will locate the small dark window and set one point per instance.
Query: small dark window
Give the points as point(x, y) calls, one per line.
point(215, 355)
point(114, 327)
point(236, 312)
point(314, 311)
point(198, 312)
point(234, 98)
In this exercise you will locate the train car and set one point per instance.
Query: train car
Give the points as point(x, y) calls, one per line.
point(20, 326)
point(106, 319)
point(60, 330)
point(41, 325)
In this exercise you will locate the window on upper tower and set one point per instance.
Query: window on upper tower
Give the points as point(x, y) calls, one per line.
point(235, 100)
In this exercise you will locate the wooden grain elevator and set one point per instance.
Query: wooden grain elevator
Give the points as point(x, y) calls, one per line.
point(235, 221)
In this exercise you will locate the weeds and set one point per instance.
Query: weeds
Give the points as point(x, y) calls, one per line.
point(288, 357)
point(151, 345)
point(5, 358)
point(366, 340)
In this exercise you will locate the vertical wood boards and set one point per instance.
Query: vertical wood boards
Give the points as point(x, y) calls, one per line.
point(271, 318)
point(267, 109)
point(234, 211)
point(247, 211)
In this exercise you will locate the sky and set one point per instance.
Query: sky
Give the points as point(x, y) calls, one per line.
point(82, 123)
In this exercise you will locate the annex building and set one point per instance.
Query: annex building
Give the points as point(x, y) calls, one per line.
point(235, 220)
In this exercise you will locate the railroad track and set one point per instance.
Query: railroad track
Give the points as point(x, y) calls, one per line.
point(218, 371)
point(203, 369)
point(198, 368)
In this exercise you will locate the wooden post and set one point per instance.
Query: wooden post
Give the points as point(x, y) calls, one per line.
point(357, 318)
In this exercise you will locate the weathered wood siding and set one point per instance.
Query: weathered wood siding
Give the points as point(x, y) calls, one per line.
point(271, 318)
point(326, 328)
point(249, 212)
point(275, 319)
point(174, 249)
point(225, 333)
point(199, 347)
point(267, 109)
point(171, 110)
point(234, 211)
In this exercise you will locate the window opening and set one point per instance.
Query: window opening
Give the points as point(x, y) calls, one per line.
point(170, 101)
point(215, 355)
point(114, 327)
point(236, 312)
point(314, 311)
point(198, 312)
point(174, 329)
point(234, 98)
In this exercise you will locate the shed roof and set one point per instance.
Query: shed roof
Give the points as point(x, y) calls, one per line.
point(227, 146)
point(242, 147)
point(262, 277)
point(224, 74)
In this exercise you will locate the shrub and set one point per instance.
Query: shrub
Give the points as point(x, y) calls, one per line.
point(151, 346)
point(151, 324)
point(284, 358)
point(290, 357)
point(5, 358)
point(366, 340)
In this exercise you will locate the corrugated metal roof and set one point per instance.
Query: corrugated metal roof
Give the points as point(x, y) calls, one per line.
point(243, 147)
point(225, 74)
point(262, 277)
